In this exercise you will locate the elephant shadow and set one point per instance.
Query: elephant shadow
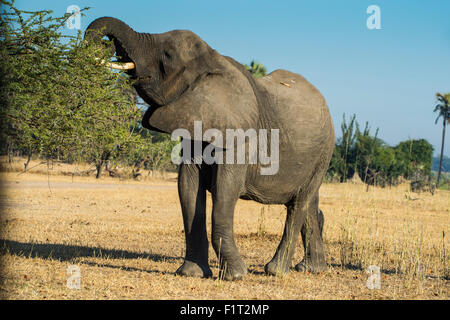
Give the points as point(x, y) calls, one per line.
point(67, 253)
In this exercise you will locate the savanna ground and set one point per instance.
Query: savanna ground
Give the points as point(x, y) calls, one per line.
point(127, 239)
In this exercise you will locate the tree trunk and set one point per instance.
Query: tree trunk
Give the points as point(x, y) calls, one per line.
point(103, 161)
point(10, 153)
point(99, 167)
point(30, 153)
point(442, 151)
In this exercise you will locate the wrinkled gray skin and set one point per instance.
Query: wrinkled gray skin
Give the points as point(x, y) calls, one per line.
point(183, 80)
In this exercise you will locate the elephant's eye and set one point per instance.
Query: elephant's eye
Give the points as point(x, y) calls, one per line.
point(167, 55)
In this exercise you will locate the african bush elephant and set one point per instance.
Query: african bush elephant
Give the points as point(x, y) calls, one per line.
point(184, 80)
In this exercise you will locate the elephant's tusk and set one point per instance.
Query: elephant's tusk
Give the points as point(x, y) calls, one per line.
point(118, 65)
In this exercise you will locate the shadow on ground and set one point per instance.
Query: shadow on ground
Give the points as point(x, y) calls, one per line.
point(67, 252)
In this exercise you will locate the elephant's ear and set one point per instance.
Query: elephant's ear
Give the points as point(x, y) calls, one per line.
point(220, 101)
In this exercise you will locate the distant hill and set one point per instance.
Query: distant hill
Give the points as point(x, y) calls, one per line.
point(445, 164)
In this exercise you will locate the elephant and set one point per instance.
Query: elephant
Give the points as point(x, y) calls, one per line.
point(184, 80)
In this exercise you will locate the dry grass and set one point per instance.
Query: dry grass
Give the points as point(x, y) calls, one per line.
point(127, 239)
point(59, 168)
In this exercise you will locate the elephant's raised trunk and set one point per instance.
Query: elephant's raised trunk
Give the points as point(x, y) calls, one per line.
point(124, 38)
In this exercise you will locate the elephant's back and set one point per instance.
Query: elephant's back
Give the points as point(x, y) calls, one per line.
point(300, 109)
point(306, 137)
point(292, 94)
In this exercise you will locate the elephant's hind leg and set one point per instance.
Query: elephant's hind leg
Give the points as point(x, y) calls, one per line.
point(192, 192)
point(296, 213)
point(314, 259)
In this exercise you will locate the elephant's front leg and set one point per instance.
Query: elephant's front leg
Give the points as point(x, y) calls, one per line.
point(192, 194)
point(225, 193)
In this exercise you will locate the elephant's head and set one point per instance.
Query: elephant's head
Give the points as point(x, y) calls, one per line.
point(167, 68)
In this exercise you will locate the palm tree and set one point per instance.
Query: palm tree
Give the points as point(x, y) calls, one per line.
point(443, 107)
point(256, 69)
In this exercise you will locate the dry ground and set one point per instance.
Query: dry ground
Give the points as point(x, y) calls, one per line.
point(127, 239)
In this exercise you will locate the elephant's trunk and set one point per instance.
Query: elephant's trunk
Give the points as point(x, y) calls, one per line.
point(125, 39)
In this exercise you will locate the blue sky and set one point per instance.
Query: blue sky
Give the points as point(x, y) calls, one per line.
point(388, 77)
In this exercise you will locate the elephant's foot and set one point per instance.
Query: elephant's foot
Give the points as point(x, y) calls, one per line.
point(233, 272)
point(307, 266)
point(277, 268)
point(193, 269)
